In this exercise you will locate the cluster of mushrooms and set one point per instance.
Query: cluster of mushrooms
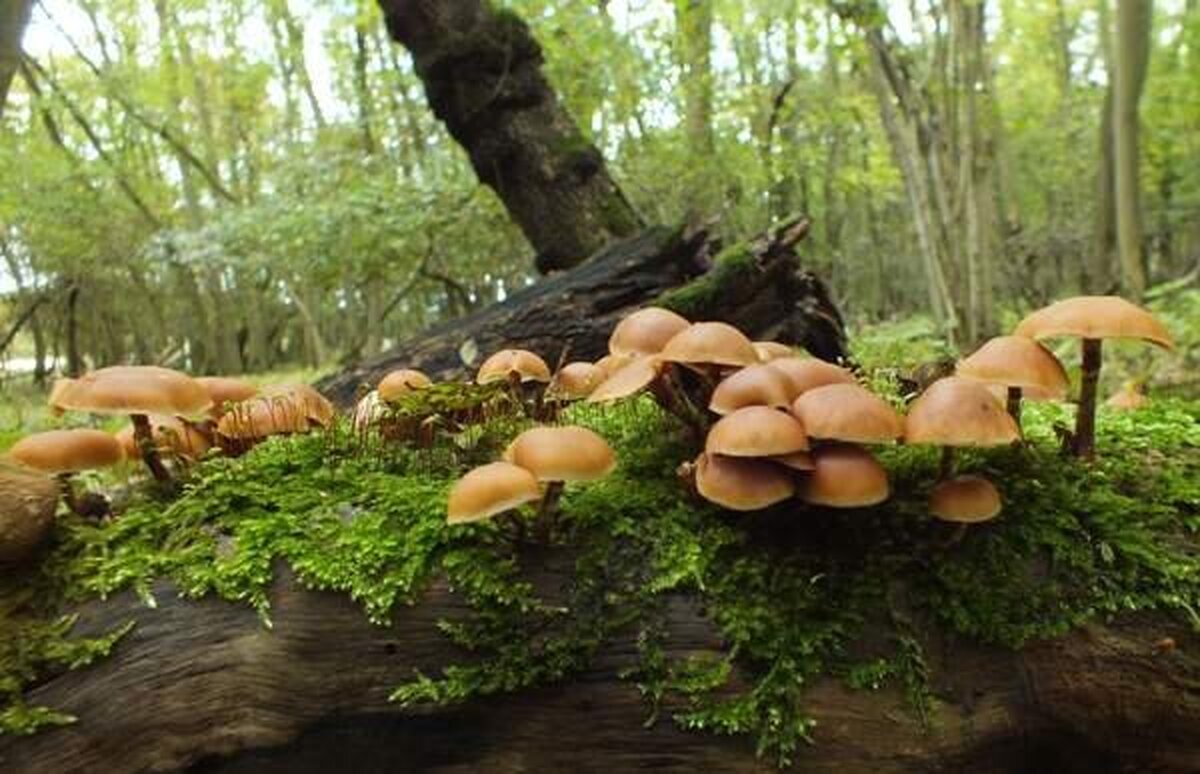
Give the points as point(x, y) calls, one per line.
point(776, 424)
point(773, 423)
point(174, 420)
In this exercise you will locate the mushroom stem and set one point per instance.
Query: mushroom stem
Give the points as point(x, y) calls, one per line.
point(145, 441)
point(1084, 444)
point(1014, 404)
point(548, 510)
point(946, 466)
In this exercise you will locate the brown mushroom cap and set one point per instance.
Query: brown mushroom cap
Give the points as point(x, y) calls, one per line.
point(225, 389)
point(67, 451)
point(710, 343)
point(28, 500)
point(1128, 398)
point(848, 412)
point(959, 412)
point(1095, 317)
point(772, 350)
point(742, 484)
point(806, 373)
point(610, 364)
point(756, 431)
point(576, 380)
point(170, 435)
point(566, 453)
point(132, 390)
point(756, 385)
point(845, 477)
point(645, 332)
point(314, 406)
point(401, 382)
point(1017, 361)
point(628, 381)
point(488, 490)
point(264, 416)
point(526, 365)
point(965, 500)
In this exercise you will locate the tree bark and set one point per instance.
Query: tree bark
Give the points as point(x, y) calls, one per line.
point(14, 18)
point(1131, 55)
point(693, 25)
point(768, 296)
point(203, 686)
point(481, 68)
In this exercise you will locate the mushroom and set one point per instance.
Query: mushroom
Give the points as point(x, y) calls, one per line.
point(645, 332)
point(224, 390)
point(313, 405)
point(772, 350)
point(28, 500)
point(958, 412)
point(557, 455)
point(847, 412)
point(628, 381)
point(742, 484)
point(1021, 366)
point(277, 412)
point(756, 385)
point(489, 490)
point(576, 380)
point(401, 382)
point(136, 391)
point(513, 364)
point(66, 452)
point(1093, 319)
point(845, 476)
point(804, 374)
point(1128, 398)
point(610, 364)
point(756, 431)
point(706, 345)
point(965, 500)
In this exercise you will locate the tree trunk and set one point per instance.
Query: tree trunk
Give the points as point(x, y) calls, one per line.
point(481, 68)
point(203, 686)
point(693, 25)
point(765, 293)
point(1131, 55)
point(14, 17)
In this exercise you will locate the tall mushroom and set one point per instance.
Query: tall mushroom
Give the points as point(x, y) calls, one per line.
point(136, 391)
point(1093, 319)
point(557, 455)
point(1023, 367)
point(956, 412)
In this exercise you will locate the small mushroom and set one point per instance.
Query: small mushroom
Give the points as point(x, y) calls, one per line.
point(401, 382)
point(756, 431)
point(706, 345)
point(965, 500)
point(1021, 366)
point(804, 374)
point(756, 385)
point(490, 490)
point(575, 381)
point(958, 412)
point(513, 364)
point(557, 455)
point(645, 332)
point(1093, 319)
point(845, 476)
point(847, 412)
point(66, 452)
point(136, 391)
point(276, 412)
point(742, 484)
point(772, 350)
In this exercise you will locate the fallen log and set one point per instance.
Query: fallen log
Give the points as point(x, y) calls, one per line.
point(203, 686)
point(759, 286)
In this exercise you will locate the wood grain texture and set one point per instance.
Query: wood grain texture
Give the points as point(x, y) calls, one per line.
point(204, 686)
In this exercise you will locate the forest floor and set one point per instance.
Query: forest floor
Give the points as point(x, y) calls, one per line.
point(363, 516)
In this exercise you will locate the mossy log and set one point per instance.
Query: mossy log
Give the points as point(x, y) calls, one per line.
point(758, 285)
point(204, 686)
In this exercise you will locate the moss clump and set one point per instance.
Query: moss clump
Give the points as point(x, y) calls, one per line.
point(701, 293)
point(791, 591)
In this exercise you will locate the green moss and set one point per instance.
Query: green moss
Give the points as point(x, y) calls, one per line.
point(791, 591)
point(691, 299)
